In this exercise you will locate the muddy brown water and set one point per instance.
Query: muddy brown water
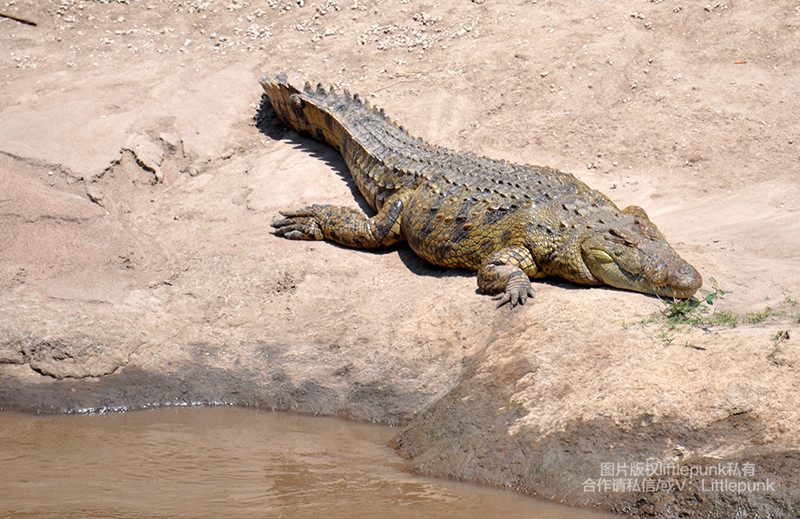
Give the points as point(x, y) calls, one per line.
point(227, 462)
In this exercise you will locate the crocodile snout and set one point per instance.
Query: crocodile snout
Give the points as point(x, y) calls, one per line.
point(685, 281)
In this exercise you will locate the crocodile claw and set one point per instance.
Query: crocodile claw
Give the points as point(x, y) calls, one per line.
point(298, 225)
point(517, 291)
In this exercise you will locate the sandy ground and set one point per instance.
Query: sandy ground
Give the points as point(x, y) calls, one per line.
point(139, 171)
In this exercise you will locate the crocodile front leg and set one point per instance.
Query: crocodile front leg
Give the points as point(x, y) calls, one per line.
point(345, 225)
point(505, 274)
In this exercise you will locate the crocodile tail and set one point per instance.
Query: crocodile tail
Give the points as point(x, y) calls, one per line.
point(280, 93)
point(310, 112)
point(382, 157)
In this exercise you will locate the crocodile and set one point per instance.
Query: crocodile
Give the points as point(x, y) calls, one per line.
point(509, 222)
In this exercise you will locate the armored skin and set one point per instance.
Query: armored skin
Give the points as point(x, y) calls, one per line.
point(510, 222)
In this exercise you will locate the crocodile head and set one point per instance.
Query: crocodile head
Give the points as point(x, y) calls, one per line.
point(632, 254)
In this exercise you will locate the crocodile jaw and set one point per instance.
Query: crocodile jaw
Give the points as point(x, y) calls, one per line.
point(679, 280)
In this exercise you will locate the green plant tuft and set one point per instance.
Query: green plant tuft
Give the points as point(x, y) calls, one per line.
point(775, 355)
point(694, 311)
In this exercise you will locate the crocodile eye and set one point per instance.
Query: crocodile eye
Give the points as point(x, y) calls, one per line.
point(648, 229)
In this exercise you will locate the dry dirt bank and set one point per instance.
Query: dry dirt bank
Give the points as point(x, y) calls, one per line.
point(140, 172)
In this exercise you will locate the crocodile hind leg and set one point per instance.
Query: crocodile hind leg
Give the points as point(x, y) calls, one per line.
point(505, 274)
point(344, 225)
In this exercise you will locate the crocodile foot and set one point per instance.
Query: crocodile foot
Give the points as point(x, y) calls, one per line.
point(302, 224)
point(518, 289)
point(344, 225)
point(505, 274)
